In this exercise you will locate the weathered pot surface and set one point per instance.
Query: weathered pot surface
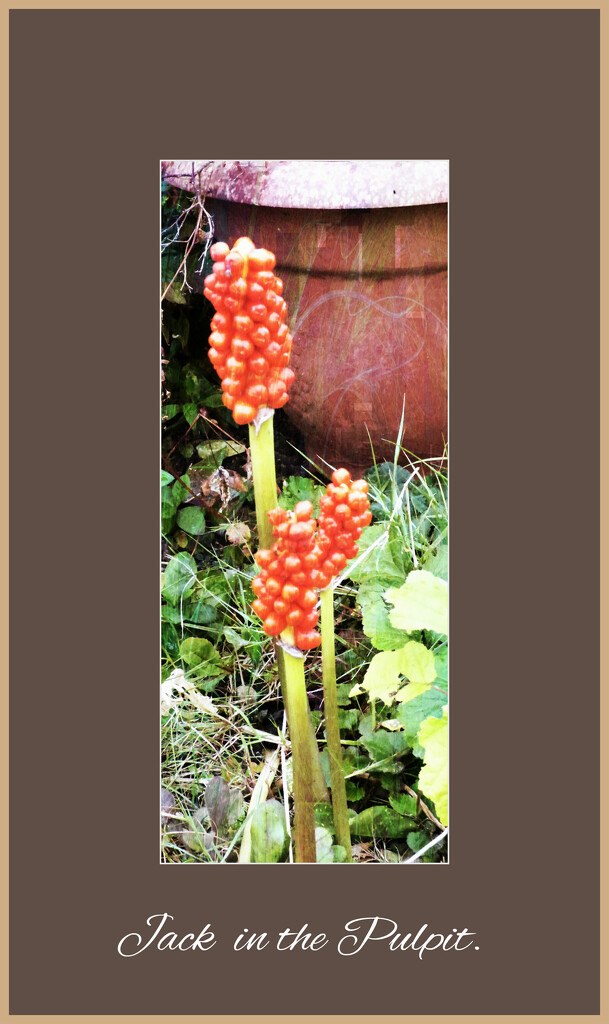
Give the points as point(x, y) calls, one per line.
point(367, 298)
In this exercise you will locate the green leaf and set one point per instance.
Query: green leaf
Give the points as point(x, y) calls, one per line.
point(383, 675)
point(375, 615)
point(169, 411)
point(301, 488)
point(383, 746)
point(191, 519)
point(437, 562)
point(166, 478)
point(197, 653)
point(417, 840)
point(379, 561)
point(179, 577)
point(323, 846)
point(212, 453)
point(347, 718)
point(236, 639)
point(383, 822)
point(421, 603)
point(191, 411)
point(199, 610)
point(270, 841)
point(433, 777)
point(168, 509)
point(415, 711)
point(324, 816)
point(180, 489)
point(403, 803)
point(173, 293)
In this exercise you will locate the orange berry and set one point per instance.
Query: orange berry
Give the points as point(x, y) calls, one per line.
point(243, 412)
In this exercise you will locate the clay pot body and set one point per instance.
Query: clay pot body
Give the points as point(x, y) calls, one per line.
point(367, 306)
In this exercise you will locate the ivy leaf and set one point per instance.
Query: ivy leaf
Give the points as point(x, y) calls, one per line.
point(179, 577)
point(191, 519)
point(421, 603)
point(191, 411)
point(433, 777)
point(166, 478)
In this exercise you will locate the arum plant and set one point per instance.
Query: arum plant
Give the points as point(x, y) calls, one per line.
point(250, 349)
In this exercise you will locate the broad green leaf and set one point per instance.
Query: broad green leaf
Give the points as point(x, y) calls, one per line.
point(166, 478)
point(379, 560)
point(411, 713)
point(410, 691)
point(383, 675)
point(196, 651)
point(383, 746)
point(301, 488)
point(421, 603)
point(437, 561)
point(433, 777)
point(179, 577)
point(269, 838)
point(382, 822)
point(403, 803)
point(375, 615)
point(191, 519)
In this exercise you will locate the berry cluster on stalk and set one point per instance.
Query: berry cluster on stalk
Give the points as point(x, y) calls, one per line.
point(250, 342)
point(306, 556)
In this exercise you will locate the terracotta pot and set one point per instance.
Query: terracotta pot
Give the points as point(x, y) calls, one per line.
point(367, 302)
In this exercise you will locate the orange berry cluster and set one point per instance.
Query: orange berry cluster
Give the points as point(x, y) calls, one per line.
point(306, 556)
point(344, 511)
point(285, 588)
point(250, 342)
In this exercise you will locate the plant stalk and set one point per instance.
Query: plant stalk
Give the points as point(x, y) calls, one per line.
point(339, 794)
point(318, 781)
point(262, 450)
point(297, 705)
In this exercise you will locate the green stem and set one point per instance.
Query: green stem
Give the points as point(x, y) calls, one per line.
point(337, 778)
point(262, 449)
point(318, 782)
point(299, 722)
